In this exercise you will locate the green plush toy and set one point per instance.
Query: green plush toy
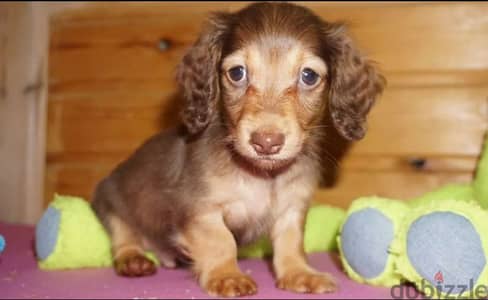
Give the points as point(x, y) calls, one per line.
point(69, 235)
point(443, 249)
point(438, 241)
point(366, 235)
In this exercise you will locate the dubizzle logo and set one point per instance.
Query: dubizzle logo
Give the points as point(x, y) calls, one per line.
point(428, 290)
point(439, 277)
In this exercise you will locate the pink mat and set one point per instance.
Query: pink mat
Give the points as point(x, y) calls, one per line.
point(21, 278)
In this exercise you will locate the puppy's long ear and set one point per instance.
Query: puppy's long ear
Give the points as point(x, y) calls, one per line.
point(198, 74)
point(354, 83)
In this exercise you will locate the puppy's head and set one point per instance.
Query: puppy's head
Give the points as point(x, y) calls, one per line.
point(269, 72)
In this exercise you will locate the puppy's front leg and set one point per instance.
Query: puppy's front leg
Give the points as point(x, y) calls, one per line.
point(213, 251)
point(292, 271)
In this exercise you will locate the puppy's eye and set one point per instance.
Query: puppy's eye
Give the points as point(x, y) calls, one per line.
point(237, 74)
point(309, 77)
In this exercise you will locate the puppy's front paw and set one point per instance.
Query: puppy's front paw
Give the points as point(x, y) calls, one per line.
point(134, 266)
point(231, 285)
point(307, 282)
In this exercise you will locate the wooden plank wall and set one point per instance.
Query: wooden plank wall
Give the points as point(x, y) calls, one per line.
point(23, 99)
point(111, 86)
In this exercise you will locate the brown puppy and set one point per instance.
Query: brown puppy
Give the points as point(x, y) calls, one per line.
point(260, 85)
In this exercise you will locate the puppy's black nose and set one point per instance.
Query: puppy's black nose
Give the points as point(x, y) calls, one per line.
point(266, 143)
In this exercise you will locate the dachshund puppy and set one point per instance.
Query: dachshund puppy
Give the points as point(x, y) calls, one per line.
point(259, 87)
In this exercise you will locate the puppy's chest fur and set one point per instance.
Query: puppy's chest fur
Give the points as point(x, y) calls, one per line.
point(247, 205)
point(251, 204)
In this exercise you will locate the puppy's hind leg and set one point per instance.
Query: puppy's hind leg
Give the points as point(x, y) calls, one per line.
point(128, 251)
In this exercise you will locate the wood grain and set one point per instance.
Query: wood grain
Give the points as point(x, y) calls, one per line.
point(395, 184)
point(409, 121)
point(23, 101)
point(112, 86)
point(406, 37)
